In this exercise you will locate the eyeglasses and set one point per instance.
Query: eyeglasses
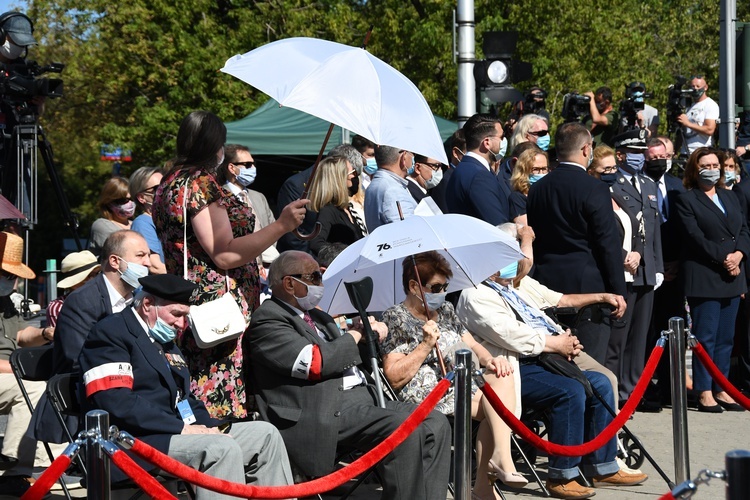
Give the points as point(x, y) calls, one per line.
point(539, 170)
point(434, 166)
point(539, 133)
point(609, 170)
point(150, 190)
point(351, 172)
point(121, 201)
point(315, 277)
point(437, 287)
point(246, 164)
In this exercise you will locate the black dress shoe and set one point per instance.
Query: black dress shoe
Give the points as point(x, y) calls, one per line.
point(709, 409)
point(730, 406)
point(646, 406)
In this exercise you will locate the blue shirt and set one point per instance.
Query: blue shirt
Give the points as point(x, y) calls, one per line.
point(144, 224)
point(384, 191)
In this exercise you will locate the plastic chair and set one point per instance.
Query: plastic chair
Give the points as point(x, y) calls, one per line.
point(34, 364)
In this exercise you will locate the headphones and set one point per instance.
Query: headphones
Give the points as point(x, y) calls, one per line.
point(7, 16)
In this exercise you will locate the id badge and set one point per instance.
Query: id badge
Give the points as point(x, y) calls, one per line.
point(186, 412)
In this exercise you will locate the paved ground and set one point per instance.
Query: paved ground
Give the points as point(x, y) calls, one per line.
point(710, 438)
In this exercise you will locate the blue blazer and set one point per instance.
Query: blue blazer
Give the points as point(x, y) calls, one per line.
point(473, 190)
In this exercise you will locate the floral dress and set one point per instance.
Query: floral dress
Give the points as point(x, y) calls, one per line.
point(405, 333)
point(216, 373)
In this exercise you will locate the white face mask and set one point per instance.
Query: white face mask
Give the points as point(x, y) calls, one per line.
point(313, 297)
point(11, 50)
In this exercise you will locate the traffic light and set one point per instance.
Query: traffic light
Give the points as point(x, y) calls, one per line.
point(496, 74)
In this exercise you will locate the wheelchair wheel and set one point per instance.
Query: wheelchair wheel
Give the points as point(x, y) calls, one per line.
point(635, 457)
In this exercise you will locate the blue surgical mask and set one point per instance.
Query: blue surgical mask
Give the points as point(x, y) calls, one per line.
point(730, 177)
point(434, 180)
point(434, 300)
point(133, 273)
point(247, 176)
point(503, 148)
point(535, 177)
point(371, 167)
point(543, 142)
point(510, 271)
point(161, 331)
point(634, 162)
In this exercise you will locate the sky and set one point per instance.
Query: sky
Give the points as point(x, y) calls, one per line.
point(8, 5)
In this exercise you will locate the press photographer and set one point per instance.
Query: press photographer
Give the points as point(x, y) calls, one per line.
point(635, 112)
point(603, 121)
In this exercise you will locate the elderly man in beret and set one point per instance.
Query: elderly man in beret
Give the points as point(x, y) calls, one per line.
point(132, 369)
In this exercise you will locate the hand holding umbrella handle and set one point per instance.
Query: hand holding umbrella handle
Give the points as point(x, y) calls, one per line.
point(307, 237)
point(438, 354)
point(316, 231)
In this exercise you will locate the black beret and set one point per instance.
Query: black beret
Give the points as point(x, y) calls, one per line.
point(633, 139)
point(168, 287)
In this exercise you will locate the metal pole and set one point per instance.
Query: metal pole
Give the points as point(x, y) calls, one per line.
point(737, 465)
point(467, 105)
point(97, 462)
point(462, 426)
point(51, 272)
point(679, 399)
point(727, 42)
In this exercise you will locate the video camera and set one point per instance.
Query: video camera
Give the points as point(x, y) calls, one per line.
point(678, 100)
point(531, 104)
point(19, 82)
point(575, 106)
point(635, 95)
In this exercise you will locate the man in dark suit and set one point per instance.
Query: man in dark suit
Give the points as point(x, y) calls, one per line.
point(133, 370)
point(456, 151)
point(124, 257)
point(639, 193)
point(578, 247)
point(304, 372)
point(290, 191)
point(473, 188)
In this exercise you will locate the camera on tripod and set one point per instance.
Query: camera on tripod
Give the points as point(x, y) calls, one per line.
point(575, 106)
point(20, 82)
point(678, 101)
point(635, 101)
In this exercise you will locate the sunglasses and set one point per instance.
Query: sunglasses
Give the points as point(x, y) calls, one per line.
point(540, 133)
point(437, 287)
point(315, 277)
point(121, 201)
point(150, 190)
point(246, 164)
point(434, 166)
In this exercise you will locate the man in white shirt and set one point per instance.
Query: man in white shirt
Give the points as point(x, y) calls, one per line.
point(699, 121)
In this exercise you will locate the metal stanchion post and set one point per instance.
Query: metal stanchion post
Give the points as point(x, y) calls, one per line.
point(737, 464)
point(677, 344)
point(462, 426)
point(97, 461)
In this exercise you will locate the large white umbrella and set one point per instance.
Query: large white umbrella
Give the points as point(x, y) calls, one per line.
point(474, 249)
point(346, 86)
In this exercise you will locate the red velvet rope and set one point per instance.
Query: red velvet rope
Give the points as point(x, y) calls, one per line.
point(143, 479)
point(309, 488)
point(667, 496)
point(582, 449)
point(42, 485)
point(719, 377)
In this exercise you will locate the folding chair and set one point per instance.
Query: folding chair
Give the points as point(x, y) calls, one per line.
point(62, 391)
point(34, 364)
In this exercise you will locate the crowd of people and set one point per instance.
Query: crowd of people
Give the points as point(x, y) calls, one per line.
point(291, 391)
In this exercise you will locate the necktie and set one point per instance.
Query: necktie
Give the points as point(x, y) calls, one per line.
point(634, 180)
point(309, 320)
point(662, 204)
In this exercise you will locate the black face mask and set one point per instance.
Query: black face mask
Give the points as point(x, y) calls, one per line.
point(609, 179)
point(655, 168)
point(355, 186)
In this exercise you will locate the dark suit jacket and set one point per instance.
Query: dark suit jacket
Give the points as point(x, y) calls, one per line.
point(142, 399)
point(290, 191)
point(646, 203)
point(415, 192)
point(578, 247)
point(438, 193)
point(303, 410)
point(670, 230)
point(708, 237)
point(473, 190)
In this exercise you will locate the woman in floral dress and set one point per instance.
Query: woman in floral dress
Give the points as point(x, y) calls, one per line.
point(221, 244)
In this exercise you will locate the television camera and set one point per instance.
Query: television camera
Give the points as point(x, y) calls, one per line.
point(575, 106)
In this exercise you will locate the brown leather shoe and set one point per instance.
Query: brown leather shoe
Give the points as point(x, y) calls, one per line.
point(620, 478)
point(569, 489)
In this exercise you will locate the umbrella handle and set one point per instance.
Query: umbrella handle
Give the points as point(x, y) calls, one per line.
point(308, 237)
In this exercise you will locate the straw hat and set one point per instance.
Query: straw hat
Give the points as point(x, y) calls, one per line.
point(11, 247)
point(76, 267)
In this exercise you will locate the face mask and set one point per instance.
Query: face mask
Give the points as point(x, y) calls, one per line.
point(355, 186)
point(510, 271)
point(730, 177)
point(247, 176)
point(132, 273)
point(410, 170)
point(610, 179)
point(221, 159)
point(371, 166)
point(161, 331)
point(634, 162)
point(124, 211)
point(6, 286)
point(543, 142)
point(669, 164)
point(11, 50)
point(655, 168)
point(434, 300)
point(535, 177)
point(434, 180)
point(494, 156)
point(313, 297)
point(709, 177)
point(698, 93)
point(503, 148)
